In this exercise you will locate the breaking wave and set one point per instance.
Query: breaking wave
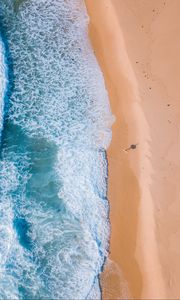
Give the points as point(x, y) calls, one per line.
point(54, 227)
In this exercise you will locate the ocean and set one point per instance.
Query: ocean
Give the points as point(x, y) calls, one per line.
point(55, 127)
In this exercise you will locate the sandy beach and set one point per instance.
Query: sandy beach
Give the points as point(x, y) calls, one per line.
point(137, 46)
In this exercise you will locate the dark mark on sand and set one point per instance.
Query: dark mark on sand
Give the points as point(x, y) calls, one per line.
point(133, 146)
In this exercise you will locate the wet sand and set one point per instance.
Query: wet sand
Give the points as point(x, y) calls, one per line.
point(137, 46)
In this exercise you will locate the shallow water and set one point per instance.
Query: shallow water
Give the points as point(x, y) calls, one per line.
point(53, 205)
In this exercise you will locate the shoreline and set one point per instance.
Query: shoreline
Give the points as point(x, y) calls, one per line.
point(132, 218)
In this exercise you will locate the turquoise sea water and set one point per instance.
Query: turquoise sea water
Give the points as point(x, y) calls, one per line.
point(55, 124)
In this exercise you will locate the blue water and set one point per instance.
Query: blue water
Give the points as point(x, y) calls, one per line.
point(3, 83)
point(55, 124)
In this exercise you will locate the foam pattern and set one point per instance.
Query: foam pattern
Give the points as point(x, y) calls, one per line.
point(3, 83)
point(53, 168)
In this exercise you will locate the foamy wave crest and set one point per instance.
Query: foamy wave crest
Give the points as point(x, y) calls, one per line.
point(53, 159)
point(66, 94)
point(2, 83)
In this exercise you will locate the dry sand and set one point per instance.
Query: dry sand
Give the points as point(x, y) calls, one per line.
point(137, 45)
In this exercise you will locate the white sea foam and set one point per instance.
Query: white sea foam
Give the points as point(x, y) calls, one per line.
point(55, 138)
point(66, 81)
point(3, 82)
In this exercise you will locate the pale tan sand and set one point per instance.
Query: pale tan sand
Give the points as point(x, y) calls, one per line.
point(137, 44)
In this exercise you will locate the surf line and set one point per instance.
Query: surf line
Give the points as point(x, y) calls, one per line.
point(6, 80)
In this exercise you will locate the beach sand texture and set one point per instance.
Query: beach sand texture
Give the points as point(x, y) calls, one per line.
point(137, 45)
